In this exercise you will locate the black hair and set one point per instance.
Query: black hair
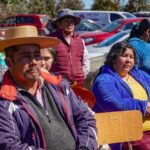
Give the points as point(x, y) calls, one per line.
point(134, 31)
point(117, 50)
point(143, 26)
point(9, 51)
point(139, 29)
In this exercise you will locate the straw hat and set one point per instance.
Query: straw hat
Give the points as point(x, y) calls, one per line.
point(21, 35)
point(65, 13)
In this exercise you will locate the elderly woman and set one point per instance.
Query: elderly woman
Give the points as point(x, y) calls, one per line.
point(120, 86)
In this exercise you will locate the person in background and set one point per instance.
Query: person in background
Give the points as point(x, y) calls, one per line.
point(121, 86)
point(72, 57)
point(38, 113)
point(140, 41)
point(48, 57)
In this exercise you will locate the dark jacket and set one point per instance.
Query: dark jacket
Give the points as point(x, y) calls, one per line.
point(19, 126)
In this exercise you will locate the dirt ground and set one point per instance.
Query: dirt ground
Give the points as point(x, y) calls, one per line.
point(95, 65)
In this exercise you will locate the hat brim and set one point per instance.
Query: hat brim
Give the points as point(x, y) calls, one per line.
point(43, 42)
point(76, 18)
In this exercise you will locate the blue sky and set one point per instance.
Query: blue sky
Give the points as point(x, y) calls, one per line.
point(88, 3)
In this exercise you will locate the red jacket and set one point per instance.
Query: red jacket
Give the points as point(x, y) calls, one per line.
point(69, 58)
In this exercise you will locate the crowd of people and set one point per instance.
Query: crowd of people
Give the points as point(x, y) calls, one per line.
point(39, 106)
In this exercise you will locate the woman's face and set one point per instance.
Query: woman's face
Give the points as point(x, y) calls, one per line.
point(47, 59)
point(124, 63)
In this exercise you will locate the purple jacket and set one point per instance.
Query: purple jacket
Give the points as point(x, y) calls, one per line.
point(19, 126)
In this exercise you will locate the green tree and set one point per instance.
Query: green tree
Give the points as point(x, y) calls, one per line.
point(2, 11)
point(106, 5)
point(137, 5)
point(71, 4)
point(130, 6)
point(50, 7)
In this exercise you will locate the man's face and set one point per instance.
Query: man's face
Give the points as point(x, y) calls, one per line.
point(67, 25)
point(25, 64)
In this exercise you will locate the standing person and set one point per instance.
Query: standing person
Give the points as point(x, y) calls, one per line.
point(140, 41)
point(72, 57)
point(121, 86)
point(36, 114)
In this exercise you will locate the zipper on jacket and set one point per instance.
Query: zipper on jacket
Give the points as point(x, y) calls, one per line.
point(47, 115)
point(70, 57)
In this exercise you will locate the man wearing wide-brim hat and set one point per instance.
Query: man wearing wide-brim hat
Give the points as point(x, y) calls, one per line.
point(71, 54)
point(39, 112)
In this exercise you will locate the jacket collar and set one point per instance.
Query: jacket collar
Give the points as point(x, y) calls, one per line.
point(8, 89)
point(50, 78)
point(110, 70)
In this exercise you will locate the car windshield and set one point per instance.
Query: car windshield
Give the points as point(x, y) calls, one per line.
point(112, 26)
point(86, 25)
point(129, 15)
point(111, 40)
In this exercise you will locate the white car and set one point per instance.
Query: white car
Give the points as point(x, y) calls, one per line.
point(102, 18)
point(87, 26)
point(103, 47)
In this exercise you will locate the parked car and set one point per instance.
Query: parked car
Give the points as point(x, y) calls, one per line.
point(83, 26)
point(87, 26)
point(142, 14)
point(48, 27)
point(102, 18)
point(108, 30)
point(38, 20)
point(103, 47)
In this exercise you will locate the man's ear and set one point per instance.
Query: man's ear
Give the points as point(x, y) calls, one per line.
point(8, 62)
